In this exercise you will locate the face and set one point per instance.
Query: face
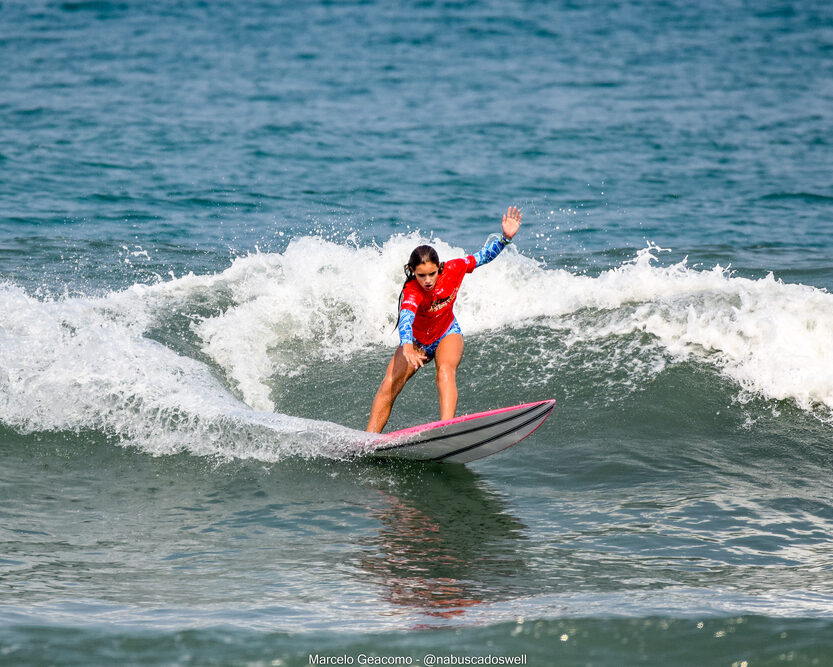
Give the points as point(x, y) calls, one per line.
point(426, 275)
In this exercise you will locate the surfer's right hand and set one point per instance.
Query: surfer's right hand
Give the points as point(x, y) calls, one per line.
point(414, 356)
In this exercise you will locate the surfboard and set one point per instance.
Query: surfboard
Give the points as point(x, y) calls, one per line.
point(466, 438)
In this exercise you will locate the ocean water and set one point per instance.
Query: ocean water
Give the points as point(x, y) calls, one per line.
point(204, 212)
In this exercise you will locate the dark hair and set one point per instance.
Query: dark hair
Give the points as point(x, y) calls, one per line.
point(420, 255)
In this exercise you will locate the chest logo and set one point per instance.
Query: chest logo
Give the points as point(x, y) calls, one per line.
point(440, 303)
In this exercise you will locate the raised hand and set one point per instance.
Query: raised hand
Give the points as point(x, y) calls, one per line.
point(511, 222)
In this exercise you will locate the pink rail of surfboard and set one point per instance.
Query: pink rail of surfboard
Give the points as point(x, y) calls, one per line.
point(466, 438)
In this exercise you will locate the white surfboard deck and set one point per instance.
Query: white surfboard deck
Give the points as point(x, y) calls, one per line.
point(466, 438)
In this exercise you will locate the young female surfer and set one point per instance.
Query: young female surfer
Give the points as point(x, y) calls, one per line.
point(427, 326)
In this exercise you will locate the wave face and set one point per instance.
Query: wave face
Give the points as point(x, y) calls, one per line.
point(185, 362)
point(92, 364)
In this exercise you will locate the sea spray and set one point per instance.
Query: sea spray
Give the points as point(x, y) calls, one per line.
point(97, 363)
point(332, 301)
point(84, 364)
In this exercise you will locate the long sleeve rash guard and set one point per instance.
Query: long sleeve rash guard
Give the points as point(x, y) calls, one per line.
point(412, 304)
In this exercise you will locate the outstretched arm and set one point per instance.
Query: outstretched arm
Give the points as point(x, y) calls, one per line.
point(493, 247)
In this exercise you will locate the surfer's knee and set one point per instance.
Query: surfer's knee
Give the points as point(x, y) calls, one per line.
point(446, 372)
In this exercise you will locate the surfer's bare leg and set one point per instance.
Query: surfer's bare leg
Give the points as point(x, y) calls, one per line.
point(398, 373)
point(447, 358)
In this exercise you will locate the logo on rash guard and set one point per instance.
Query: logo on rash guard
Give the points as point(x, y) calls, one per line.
point(439, 304)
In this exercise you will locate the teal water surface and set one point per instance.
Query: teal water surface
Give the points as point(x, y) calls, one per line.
point(205, 212)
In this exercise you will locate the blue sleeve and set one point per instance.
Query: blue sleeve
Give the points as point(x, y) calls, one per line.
point(406, 326)
point(492, 248)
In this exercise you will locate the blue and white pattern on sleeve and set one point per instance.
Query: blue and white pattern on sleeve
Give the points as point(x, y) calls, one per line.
point(489, 251)
point(406, 326)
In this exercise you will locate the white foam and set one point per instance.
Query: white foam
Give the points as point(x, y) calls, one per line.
point(770, 337)
point(87, 363)
point(333, 300)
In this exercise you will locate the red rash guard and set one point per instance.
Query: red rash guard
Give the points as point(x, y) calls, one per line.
point(434, 309)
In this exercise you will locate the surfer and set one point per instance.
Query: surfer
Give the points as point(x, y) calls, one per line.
point(427, 326)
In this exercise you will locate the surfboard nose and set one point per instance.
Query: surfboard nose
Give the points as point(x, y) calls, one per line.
point(468, 437)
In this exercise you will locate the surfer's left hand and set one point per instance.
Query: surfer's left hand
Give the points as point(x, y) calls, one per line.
point(511, 222)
